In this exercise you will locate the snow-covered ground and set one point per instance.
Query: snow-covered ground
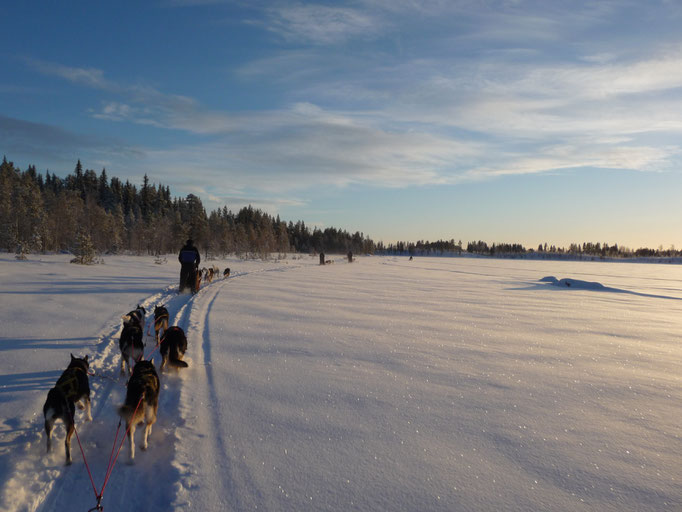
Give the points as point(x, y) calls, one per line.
point(385, 384)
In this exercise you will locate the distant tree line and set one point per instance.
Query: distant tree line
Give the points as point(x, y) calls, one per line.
point(585, 250)
point(50, 214)
point(421, 248)
point(86, 210)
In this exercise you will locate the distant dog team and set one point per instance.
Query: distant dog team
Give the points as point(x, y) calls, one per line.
point(207, 274)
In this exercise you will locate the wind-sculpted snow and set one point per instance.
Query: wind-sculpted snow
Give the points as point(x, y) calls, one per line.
point(385, 384)
point(576, 284)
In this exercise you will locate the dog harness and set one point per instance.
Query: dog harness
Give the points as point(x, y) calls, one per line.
point(68, 383)
point(161, 318)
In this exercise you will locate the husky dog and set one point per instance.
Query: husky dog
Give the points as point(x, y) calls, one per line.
point(226, 272)
point(206, 274)
point(160, 320)
point(198, 282)
point(131, 344)
point(136, 316)
point(142, 402)
point(173, 348)
point(73, 386)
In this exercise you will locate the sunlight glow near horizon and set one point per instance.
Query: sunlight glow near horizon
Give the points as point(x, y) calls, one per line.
point(518, 122)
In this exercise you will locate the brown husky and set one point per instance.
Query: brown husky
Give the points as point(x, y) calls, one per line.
point(160, 320)
point(142, 402)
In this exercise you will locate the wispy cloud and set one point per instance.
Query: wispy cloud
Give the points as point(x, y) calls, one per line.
point(479, 98)
point(55, 146)
point(308, 147)
point(320, 24)
point(20, 136)
point(141, 104)
point(572, 114)
point(88, 77)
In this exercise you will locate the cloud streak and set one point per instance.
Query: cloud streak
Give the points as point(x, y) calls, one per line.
point(476, 99)
point(88, 77)
point(320, 24)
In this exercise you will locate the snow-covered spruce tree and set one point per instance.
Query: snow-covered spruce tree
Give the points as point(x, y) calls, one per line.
point(21, 251)
point(85, 250)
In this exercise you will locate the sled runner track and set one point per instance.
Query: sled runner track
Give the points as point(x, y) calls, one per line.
point(41, 482)
point(50, 483)
point(199, 404)
point(213, 449)
point(69, 488)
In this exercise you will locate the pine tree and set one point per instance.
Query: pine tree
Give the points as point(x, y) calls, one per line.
point(84, 250)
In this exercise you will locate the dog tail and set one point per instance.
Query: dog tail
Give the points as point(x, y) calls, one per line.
point(53, 405)
point(49, 413)
point(177, 363)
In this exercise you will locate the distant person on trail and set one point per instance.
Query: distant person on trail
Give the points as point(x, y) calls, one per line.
point(189, 258)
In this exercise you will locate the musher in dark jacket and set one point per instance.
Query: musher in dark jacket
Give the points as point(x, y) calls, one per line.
point(189, 258)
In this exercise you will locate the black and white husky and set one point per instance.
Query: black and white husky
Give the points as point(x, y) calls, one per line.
point(131, 344)
point(142, 402)
point(136, 316)
point(173, 348)
point(73, 386)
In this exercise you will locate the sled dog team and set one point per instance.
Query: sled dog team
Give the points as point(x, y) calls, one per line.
point(206, 275)
point(142, 396)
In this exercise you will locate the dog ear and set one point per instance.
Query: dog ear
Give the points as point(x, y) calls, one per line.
point(72, 358)
point(85, 358)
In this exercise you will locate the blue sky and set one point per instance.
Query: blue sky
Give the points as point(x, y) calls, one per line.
point(501, 120)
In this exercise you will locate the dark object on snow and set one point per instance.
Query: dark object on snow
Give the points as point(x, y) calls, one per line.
point(350, 256)
point(173, 348)
point(321, 258)
point(189, 258)
point(131, 345)
point(73, 386)
point(142, 402)
point(160, 320)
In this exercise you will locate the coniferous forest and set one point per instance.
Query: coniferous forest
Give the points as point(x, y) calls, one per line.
point(52, 214)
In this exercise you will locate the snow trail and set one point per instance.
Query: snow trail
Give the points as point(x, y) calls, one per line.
point(56, 487)
point(129, 485)
point(40, 482)
point(224, 480)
